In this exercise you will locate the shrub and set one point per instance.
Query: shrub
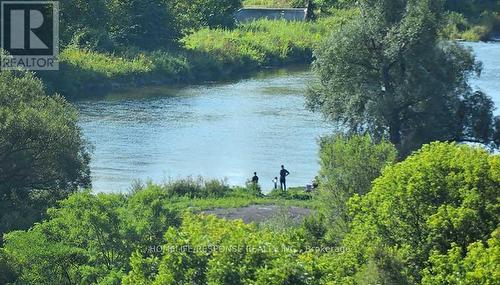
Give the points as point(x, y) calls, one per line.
point(8, 268)
point(348, 167)
point(479, 265)
point(197, 188)
point(298, 193)
point(475, 28)
point(147, 24)
point(90, 238)
point(207, 250)
point(196, 14)
point(443, 196)
point(105, 65)
point(253, 189)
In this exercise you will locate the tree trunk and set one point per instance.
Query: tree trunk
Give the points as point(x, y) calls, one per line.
point(395, 131)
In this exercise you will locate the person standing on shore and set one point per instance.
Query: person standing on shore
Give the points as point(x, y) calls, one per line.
point(255, 178)
point(283, 174)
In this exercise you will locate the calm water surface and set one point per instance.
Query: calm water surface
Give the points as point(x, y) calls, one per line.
point(218, 130)
point(489, 82)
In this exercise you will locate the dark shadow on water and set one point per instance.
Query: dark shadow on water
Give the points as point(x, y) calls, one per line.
point(175, 90)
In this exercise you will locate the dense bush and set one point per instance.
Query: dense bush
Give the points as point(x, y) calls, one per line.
point(43, 156)
point(444, 197)
point(197, 188)
point(108, 25)
point(196, 14)
point(471, 20)
point(479, 265)
point(147, 24)
point(207, 250)
point(348, 167)
point(299, 193)
point(479, 28)
point(90, 238)
point(472, 8)
point(85, 23)
point(393, 103)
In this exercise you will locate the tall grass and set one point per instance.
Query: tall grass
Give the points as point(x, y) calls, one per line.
point(107, 65)
point(265, 42)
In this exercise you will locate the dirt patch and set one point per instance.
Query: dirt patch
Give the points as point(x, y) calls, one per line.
point(260, 213)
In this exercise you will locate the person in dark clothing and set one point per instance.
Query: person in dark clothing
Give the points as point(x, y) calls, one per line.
point(283, 174)
point(255, 178)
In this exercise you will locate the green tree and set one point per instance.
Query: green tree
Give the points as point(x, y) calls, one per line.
point(196, 14)
point(84, 22)
point(472, 8)
point(443, 196)
point(38, 259)
point(148, 217)
point(479, 265)
point(348, 167)
point(43, 156)
point(90, 239)
point(208, 250)
point(146, 24)
point(400, 81)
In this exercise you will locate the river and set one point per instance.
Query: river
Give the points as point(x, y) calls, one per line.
point(218, 130)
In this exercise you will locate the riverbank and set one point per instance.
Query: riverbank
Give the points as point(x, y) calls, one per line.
point(206, 55)
point(484, 28)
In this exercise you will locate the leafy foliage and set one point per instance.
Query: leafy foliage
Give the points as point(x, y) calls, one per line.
point(89, 238)
point(348, 167)
point(107, 25)
point(43, 157)
point(197, 14)
point(264, 42)
point(207, 250)
point(146, 24)
point(473, 28)
point(84, 23)
point(191, 188)
point(480, 265)
point(443, 196)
